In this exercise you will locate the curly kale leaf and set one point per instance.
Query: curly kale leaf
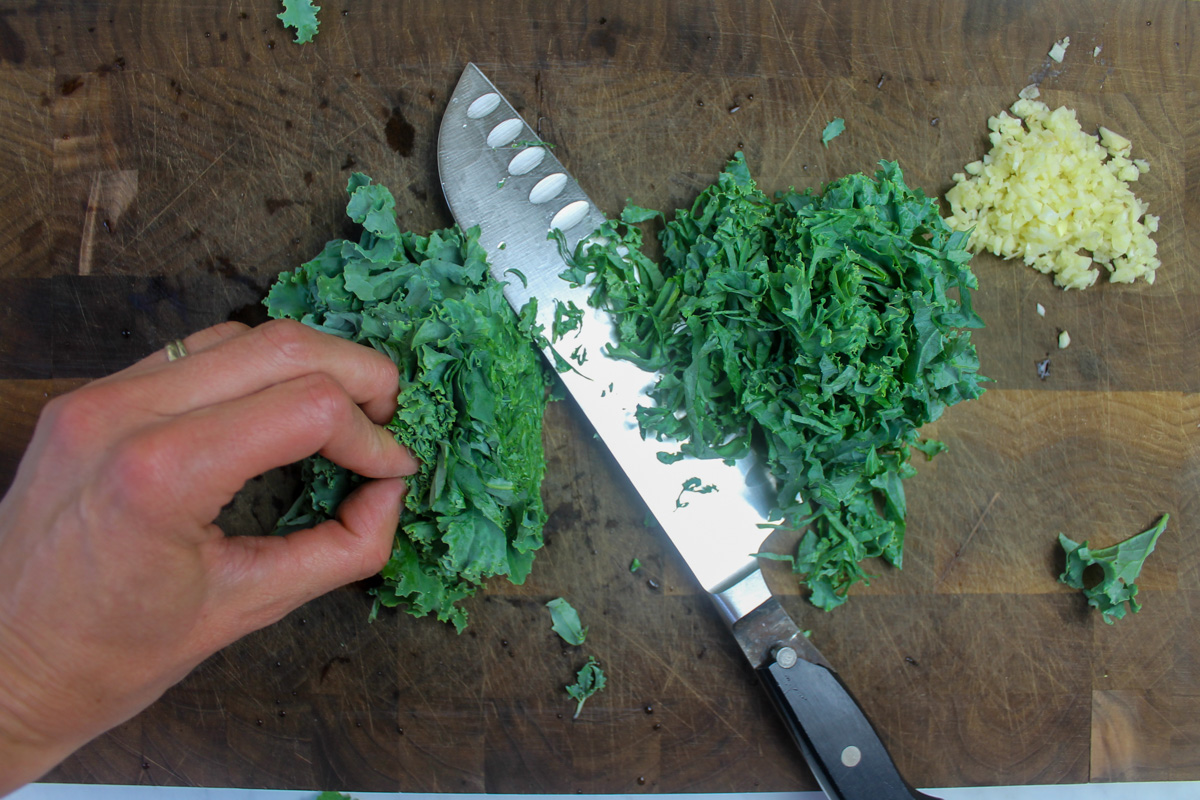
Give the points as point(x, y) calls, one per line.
point(301, 15)
point(471, 397)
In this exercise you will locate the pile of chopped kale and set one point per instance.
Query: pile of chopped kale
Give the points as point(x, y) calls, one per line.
point(822, 330)
point(471, 396)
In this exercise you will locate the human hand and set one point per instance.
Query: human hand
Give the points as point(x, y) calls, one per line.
point(114, 580)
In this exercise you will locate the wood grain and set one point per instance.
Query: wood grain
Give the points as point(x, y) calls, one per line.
point(162, 160)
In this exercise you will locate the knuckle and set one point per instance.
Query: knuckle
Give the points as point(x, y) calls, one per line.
point(139, 470)
point(289, 340)
point(325, 401)
point(76, 418)
point(229, 329)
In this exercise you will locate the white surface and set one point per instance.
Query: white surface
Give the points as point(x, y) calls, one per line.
point(1092, 791)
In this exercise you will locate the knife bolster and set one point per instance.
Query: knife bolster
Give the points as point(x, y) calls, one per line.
point(764, 630)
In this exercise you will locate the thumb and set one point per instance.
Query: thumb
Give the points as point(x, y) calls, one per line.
point(273, 575)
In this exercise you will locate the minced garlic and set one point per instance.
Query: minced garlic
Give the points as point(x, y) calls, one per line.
point(1047, 190)
point(1060, 49)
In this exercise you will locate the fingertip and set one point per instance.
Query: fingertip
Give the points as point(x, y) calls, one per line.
point(411, 463)
point(371, 514)
point(388, 458)
point(266, 577)
point(404, 462)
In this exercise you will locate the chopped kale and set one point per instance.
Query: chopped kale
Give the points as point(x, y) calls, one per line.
point(822, 330)
point(471, 396)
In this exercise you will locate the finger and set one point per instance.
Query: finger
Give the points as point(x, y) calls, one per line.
point(234, 366)
point(196, 343)
point(106, 409)
point(198, 461)
point(265, 577)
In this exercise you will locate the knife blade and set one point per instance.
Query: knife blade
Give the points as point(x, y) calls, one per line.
point(498, 175)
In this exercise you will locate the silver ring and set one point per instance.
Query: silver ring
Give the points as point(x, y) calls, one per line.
point(176, 350)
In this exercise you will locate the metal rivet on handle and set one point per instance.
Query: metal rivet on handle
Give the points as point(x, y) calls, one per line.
point(851, 756)
point(483, 105)
point(785, 657)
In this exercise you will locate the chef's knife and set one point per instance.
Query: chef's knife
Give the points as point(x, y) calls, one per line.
point(497, 174)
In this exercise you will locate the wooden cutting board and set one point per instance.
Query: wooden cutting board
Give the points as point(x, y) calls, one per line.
point(161, 162)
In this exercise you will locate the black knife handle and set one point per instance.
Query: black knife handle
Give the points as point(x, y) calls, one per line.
point(840, 744)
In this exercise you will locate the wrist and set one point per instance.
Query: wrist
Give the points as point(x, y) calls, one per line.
point(27, 750)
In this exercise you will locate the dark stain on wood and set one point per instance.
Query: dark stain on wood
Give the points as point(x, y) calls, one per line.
point(607, 36)
point(30, 236)
point(274, 204)
point(12, 46)
point(330, 664)
point(400, 133)
point(70, 85)
point(565, 516)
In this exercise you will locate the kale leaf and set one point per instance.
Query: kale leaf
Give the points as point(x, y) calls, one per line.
point(822, 330)
point(692, 485)
point(589, 680)
point(565, 621)
point(471, 397)
point(833, 130)
point(301, 15)
point(1121, 565)
point(930, 447)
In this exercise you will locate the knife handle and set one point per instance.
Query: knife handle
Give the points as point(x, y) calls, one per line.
point(840, 744)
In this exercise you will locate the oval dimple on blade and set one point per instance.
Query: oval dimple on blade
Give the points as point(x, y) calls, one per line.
point(483, 105)
point(526, 160)
point(505, 132)
point(571, 215)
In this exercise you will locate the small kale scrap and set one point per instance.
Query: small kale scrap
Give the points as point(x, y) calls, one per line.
point(692, 485)
point(301, 15)
point(565, 622)
point(823, 330)
point(1121, 564)
point(589, 680)
point(833, 130)
point(471, 397)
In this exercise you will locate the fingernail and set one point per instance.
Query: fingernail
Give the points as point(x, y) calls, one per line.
point(405, 463)
point(401, 487)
